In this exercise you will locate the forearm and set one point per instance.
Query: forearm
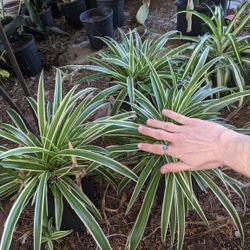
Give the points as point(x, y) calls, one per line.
point(236, 153)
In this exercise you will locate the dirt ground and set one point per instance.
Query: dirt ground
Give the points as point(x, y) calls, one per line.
point(60, 50)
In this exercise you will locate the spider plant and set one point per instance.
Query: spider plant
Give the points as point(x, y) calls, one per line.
point(125, 61)
point(63, 151)
point(50, 234)
point(126, 58)
point(191, 97)
point(35, 7)
point(225, 40)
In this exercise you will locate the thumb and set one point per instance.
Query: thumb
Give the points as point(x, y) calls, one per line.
point(175, 167)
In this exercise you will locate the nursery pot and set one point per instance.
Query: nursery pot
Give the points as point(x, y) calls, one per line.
point(90, 4)
point(118, 10)
point(45, 16)
point(72, 11)
point(197, 23)
point(98, 22)
point(26, 54)
point(56, 13)
point(11, 7)
point(70, 220)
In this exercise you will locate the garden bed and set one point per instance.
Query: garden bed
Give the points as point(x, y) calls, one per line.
point(60, 50)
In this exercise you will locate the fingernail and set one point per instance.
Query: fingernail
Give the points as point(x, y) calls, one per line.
point(139, 145)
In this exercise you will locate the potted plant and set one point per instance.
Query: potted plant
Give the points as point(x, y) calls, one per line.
point(56, 160)
point(39, 13)
point(118, 10)
point(98, 23)
point(11, 7)
point(23, 45)
point(113, 62)
point(182, 86)
point(225, 40)
point(188, 24)
point(72, 10)
point(187, 96)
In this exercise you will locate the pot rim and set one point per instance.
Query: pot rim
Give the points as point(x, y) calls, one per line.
point(70, 3)
point(94, 10)
point(27, 44)
point(40, 13)
point(16, 2)
point(114, 1)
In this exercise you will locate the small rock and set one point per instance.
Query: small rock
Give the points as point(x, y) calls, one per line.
point(237, 234)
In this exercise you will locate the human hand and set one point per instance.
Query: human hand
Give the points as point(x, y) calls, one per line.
point(198, 144)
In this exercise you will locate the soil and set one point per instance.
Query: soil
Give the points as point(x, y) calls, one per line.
point(20, 41)
point(73, 48)
point(95, 18)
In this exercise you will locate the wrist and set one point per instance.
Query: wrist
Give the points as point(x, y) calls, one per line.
point(235, 149)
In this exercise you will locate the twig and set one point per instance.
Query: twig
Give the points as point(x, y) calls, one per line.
point(155, 230)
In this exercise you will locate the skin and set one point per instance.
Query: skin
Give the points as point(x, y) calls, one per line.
point(198, 144)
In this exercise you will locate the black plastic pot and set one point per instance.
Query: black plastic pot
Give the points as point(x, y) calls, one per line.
point(56, 13)
point(45, 16)
point(98, 22)
point(161, 189)
point(118, 10)
point(197, 23)
point(70, 220)
point(90, 4)
point(72, 11)
point(27, 55)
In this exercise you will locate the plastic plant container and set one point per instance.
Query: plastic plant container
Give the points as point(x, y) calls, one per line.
point(90, 4)
point(197, 23)
point(118, 10)
point(45, 16)
point(72, 11)
point(98, 22)
point(26, 54)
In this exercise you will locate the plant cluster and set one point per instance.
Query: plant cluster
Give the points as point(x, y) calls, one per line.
point(149, 77)
point(47, 163)
point(226, 41)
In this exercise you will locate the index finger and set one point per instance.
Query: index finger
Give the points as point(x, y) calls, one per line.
point(182, 119)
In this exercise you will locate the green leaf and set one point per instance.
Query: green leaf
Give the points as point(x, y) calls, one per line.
point(142, 13)
point(41, 192)
point(101, 159)
point(142, 218)
point(15, 213)
point(41, 106)
point(224, 201)
point(167, 204)
point(85, 216)
point(58, 201)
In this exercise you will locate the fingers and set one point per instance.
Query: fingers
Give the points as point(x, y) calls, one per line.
point(157, 134)
point(175, 167)
point(177, 117)
point(167, 126)
point(181, 166)
point(157, 149)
